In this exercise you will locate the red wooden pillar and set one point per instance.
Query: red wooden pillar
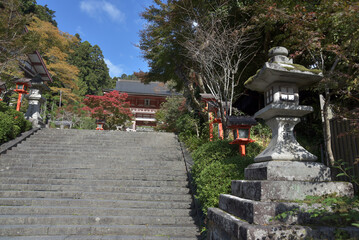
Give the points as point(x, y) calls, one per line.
point(210, 126)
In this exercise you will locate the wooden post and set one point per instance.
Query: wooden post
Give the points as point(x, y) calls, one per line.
point(19, 102)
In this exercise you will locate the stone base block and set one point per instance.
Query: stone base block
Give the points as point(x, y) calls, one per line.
point(224, 226)
point(288, 190)
point(263, 213)
point(288, 170)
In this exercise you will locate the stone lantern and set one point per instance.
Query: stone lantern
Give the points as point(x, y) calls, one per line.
point(2, 89)
point(22, 84)
point(35, 100)
point(284, 172)
point(280, 81)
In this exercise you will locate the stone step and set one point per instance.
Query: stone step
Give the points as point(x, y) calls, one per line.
point(93, 203)
point(49, 230)
point(92, 220)
point(7, 163)
point(74, 184)
point(103, 143)
point(88, 188)
point(114, 183)
point(112, 153)
point(95, 195)
point(95, 157)
point(95, 147)
point(102, 237)
point(98, 176)
point(87, 170)
point(93, 211)
point(119, 139)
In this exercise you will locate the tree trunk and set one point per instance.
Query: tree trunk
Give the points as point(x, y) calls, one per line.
point(327, 132)
point(189, 90)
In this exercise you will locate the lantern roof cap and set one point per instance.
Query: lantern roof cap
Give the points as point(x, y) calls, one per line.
point(241, 120)
point(26, 81)
point(207, 97)
point(280, 69)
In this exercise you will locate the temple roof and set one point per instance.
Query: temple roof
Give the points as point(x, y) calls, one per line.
point(137, 87)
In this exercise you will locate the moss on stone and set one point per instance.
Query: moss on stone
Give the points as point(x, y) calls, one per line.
point(250, 79)
point(302, 68)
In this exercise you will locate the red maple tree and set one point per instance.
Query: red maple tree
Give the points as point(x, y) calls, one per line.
point(111, 108)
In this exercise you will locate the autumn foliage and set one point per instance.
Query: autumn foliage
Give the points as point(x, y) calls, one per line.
point(111, 107)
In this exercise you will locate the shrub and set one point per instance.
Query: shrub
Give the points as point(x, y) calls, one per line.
point(216, 164)
point(210, 152)
point(6, 127)
point(12, 123)
point(215, 179)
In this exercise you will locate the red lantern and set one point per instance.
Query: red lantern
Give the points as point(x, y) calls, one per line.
point(22, 85)
point(241, 127)
point(100, 124)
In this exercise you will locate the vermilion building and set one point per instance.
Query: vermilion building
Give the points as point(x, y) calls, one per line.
point(145, 99)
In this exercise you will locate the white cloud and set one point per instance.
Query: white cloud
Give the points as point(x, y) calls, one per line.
point(101, 8)
point(79, 31)
point(115, 70)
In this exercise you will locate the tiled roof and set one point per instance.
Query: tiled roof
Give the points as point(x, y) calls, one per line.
point(152, 88)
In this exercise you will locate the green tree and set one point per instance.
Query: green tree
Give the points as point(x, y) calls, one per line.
point(94, 73)
point(161, 45)
point(42, 12)
point(171, 110)
point(15, 42)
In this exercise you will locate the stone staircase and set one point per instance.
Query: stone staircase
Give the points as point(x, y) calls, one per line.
point(81, 184)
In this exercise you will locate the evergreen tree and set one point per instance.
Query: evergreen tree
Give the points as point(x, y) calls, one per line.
point(94, 73)
point(42, 12)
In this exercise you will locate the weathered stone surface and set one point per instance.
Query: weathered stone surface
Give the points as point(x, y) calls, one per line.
point(283, 145)
point(280, 109)
point(288, 170)
point(256, 212)
point(288, 190)
point(224, 226)
point(280, 68)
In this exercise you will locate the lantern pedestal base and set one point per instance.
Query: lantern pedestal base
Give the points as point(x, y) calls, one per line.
point(250, 211)
point(288, 170)
point(284, 146)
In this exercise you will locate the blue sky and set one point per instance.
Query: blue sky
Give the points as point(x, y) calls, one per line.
point(113, 25)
